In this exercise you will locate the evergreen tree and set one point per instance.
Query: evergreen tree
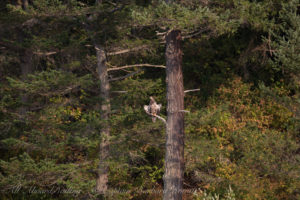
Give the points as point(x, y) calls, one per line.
point(242, 131)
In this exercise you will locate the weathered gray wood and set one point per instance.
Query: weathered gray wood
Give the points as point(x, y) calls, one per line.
point(174, 158)
point(102, 179)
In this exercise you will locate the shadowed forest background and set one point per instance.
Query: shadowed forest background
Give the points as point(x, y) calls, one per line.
point(242, 133)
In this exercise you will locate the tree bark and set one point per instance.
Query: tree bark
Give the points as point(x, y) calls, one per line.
point(19, 4)
point(174, 158)
point(25, 4)
point(98, 2)
point(102, 179)
point(244, 58)
point(26, 68)
point(22, 4)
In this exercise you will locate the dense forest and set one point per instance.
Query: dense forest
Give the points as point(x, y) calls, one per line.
point(76, 77)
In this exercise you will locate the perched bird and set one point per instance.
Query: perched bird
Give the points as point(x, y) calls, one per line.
point(153, 108)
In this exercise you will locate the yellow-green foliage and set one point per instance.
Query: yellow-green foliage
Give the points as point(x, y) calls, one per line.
point(242, 131)
point(243, 140)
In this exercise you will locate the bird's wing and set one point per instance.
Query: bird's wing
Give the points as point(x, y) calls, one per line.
point(158, 107)
point(147, 108)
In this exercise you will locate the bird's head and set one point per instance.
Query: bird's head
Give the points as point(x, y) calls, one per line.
point(152, 99)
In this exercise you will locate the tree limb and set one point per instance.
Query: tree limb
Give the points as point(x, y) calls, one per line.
point(192, 90)
point(193, 34)
point(136, 65)
point(62, 92)
point(11, 46)
point(94, 73)
point(184, 111)
point(118, 92)
point(179, 111)
point(126, 76)
point(126, 50)
point(30, 23)
point(157, 116)
point(45, 53)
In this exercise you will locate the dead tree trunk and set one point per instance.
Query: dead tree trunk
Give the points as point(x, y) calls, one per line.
point(25, 4)
point(174, 158)
point(22, 4)
point(26, 63)
point(102, 178)
point(26, 68)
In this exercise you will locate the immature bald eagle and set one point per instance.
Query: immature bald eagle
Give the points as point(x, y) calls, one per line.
point(153, 108)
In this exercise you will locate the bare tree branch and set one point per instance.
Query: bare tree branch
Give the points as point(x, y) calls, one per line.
point(126, 50)
point(184, 111)
point(94, 73)
point(45, 53)
point(126, 76)
point(161, 33)
point(157, 116)
point(118, 92)
point(30, 23)
point(192, 90)
point(62, 92)
point(192, 35)
point(11, 45)
point(136, 65)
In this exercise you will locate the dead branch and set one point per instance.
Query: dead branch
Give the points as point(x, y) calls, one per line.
point(126, 50)
point(118, 92)
point(157, 116)
point(94, 73)
point(161, 33)
point(30, 23)
point(36, 108)
point(192, 90)
point(45, 53)
point(12, 46)
point(184, 111)
point(179, 111)
point(62, 92)
point(126, 76)
point(136, 65)
point(193, 34)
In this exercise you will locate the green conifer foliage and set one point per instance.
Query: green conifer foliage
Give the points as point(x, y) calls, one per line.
point(242, 131)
